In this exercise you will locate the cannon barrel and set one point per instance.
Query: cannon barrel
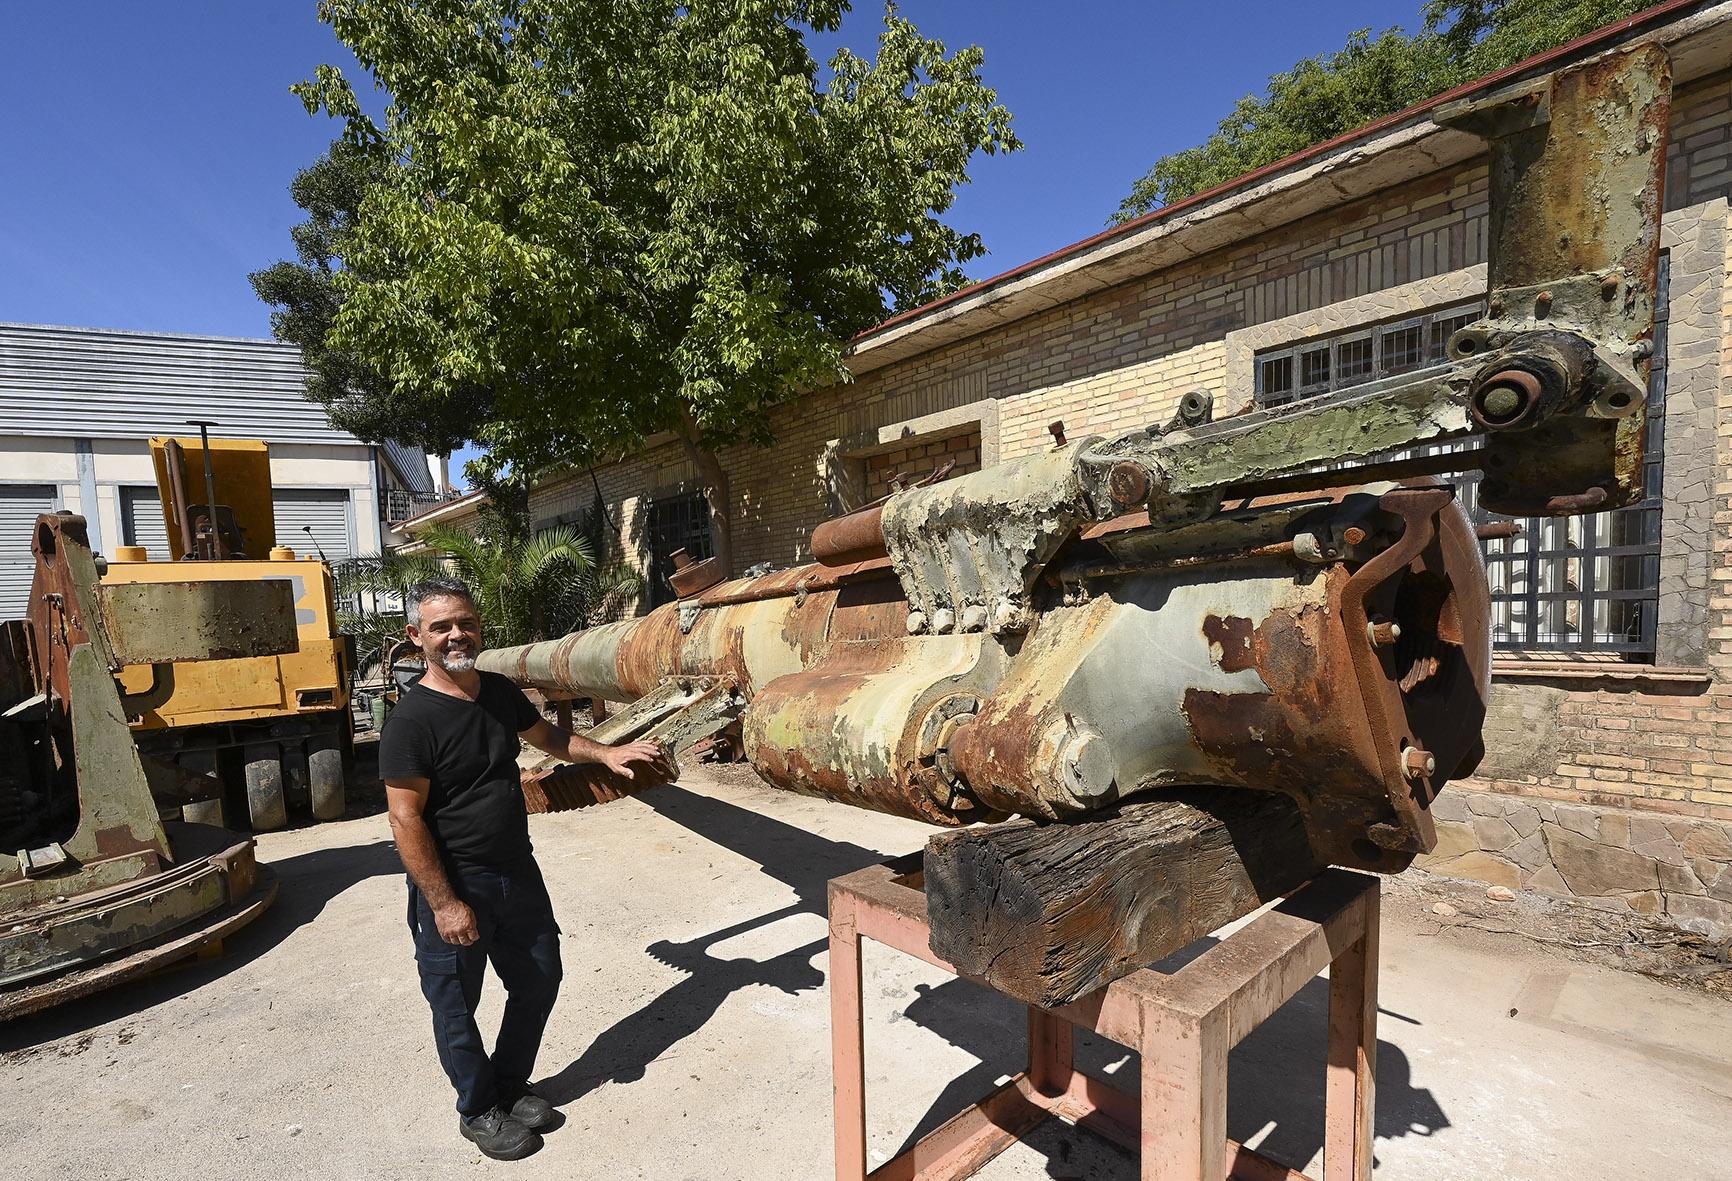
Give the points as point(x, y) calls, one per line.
point(1347, 668)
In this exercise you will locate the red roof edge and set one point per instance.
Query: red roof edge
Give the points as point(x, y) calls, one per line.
point(1612, 32)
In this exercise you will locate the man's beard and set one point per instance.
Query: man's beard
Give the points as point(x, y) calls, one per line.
point(457, 662)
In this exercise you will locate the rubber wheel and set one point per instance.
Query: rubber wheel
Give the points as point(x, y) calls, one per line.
point(325, 776)
point(264, 782)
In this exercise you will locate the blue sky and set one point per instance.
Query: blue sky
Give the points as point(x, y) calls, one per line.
point(146, 149)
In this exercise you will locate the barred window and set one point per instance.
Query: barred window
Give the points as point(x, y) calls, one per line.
point(1563, 584)
point(675, 523)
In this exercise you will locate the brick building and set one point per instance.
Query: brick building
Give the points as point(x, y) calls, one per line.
point(1610, 768)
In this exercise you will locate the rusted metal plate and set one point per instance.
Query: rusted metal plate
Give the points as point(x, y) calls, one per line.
point(1574, 244)
point(248, 889)
point(165, 622)
point(696, 577)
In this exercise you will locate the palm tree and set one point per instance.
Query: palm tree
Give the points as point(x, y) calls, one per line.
point(537, 587)
point(527, 587)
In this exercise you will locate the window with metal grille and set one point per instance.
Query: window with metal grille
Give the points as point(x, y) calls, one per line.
point(1563, 584)
point(675, 522)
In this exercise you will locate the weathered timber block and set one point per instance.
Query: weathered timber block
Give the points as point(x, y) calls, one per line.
point(566, 786)
point(1049, 912)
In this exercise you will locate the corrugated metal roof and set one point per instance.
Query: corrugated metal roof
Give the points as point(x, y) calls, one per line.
point(108, 384)
point(410, 464)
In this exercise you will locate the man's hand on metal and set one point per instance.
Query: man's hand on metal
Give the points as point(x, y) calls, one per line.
point(456, 923)
point(643, 754)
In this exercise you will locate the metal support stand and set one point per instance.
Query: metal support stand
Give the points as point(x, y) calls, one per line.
point(1182, 1024)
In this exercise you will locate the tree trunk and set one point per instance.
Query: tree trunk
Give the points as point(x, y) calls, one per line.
point(1047, 913)
point(714, 480)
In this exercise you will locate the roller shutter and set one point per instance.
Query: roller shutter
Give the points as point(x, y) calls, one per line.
point(324, 510)
point(141, 522)
point(20, 505)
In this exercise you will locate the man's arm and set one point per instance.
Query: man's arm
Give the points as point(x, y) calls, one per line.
point(575, 748)
point(406, 799)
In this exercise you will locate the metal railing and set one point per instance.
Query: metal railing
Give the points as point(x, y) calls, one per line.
point(399, 505)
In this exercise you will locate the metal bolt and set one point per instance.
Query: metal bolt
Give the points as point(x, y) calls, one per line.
point(943, 620)
point(1497, 306)
point(1382, 632)
point(1502, 401)
point(1129, 483)
point(1417, 763)
point(1057, 429)
point(1542, 305)
point(1353, 535)
point(1088, 767)
point(1609, 288)
point(973, 618)
point(916, 622)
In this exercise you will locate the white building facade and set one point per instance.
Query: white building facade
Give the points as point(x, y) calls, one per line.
point(78, 406)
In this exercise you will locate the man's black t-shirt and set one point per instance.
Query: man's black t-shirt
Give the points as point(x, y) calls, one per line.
point(467, 750)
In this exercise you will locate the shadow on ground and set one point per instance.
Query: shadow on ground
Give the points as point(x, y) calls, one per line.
point(307, 882)
point(801, 860)
point(1276, 1074)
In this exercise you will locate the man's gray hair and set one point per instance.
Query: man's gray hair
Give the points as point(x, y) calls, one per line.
point(433, 588)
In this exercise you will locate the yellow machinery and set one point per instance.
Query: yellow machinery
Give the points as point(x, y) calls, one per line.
point(96, 888)
point(262, 733)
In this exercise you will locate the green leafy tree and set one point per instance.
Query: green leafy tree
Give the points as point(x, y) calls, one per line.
point(305, 297)
point(1333, 93)
point(621, 217)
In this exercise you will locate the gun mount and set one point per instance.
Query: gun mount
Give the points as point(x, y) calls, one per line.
point(1200, 604)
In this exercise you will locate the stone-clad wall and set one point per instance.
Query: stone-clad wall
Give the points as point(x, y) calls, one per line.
point(1607, 857)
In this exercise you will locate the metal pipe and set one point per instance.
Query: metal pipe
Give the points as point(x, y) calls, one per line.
point(218, 546)
point(857, 536)
point(175, 455)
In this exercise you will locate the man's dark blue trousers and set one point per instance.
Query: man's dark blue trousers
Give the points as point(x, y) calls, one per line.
point(514, 918)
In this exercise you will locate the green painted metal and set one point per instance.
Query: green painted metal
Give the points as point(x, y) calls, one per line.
point(162, 622)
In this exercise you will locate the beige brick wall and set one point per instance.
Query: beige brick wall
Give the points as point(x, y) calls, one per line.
point(919, 459)
point(1110, 402)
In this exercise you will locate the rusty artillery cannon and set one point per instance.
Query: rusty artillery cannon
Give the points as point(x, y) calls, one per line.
point(1197, 614)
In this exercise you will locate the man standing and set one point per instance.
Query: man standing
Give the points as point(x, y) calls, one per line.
point(448, 756)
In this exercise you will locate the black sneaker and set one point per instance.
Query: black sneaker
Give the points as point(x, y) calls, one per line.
point(525, 1106)
point(498, 1135)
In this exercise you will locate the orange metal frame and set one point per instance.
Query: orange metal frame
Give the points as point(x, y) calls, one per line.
point(1183, 1025)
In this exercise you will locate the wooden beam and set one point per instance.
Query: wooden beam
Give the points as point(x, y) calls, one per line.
point(1050, 912)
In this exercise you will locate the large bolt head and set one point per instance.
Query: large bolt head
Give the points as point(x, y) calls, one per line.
point(1089, 768)
point(1128, 482)
point(1382, 632)
point(1418, 764)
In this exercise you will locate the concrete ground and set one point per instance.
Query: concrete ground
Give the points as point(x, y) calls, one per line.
point(691, 1040)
